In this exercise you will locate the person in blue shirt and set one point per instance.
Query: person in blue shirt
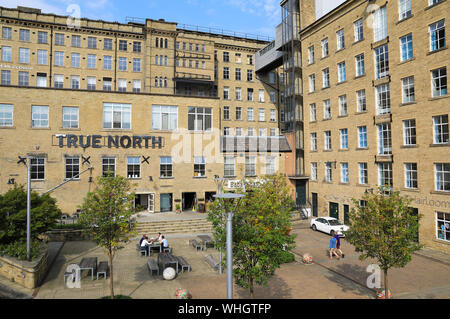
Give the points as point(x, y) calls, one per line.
point(164, 243)
point(338, 244)
point(333, 248)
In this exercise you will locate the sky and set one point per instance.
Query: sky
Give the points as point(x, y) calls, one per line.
point(256, 17)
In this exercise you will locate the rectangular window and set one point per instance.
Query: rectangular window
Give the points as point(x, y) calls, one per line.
point(381, 62)
point(359, 64)
point(226, 57)
point(133, 167)
point(42, 37)
point(226, 93)
point(76, 41)
point(229, 166)
point(311, 54)
point(261, 95)
point(70, 117)
point(379, 24)
point(75, 82)
point(343, 105)
point(137, 46)
point(6, 54)
point(7, 33)
point(437, 35)
point(164, 117)
point(237, 74)
point(312, 83)
point(92, 42)
point(439, 82)
point(226, 131)
point(42, 57)
point(136, 86)
point(199, 166)
point(239, 131)
point(226, 73)
point(262, 131)
point(59, 58)
point(441, 130)
point(406, 47)
point(122, 85)
point(107, 44)
point(326, 110)
point(58, 81)
point(122, 45)
point(404, 9)
point(442, 177)
point(24, 35)
point(199, 118)
point(59, 39)
point(250, 59)
point(24, 78)
point(362, 137)
point(75, 60)
point(328, 172)
point(314, 171)
point(122, 64)
point(363, 174)
point(324, 45)
point(326, 78)
point(411, 175)
point(261, 115)
point(327, 140)
point(107, 62)
point(442, 219)
point(91, 83)
point(312, 112)
point(313, 141)
point(250, 166)
point(340, 39)
point(344, 138)
point(39, 116)
point(166, 167)
point(92, 61)
point(136, 65)
point(108, 166)
point(41, 79)
point(116, 116)
point(37, 168)
point(384, 139)
point(238, 113)
point(249, 75)
point(271, 165)
point(6, 77)
point(72, 167)
point(344, 173)
point(358, 28)
point(273, 132)
point(6, 115)
point(250, 94)
point(238, 92)
point(383, 99)
point(273, 116)
point(385, 174)
point(226, 112)
point(409, 132)
point(361, 101)
point(408, 90)
point(24, 55)
point(250, 116)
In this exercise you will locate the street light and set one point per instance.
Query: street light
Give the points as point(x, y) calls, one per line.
point(231, 198)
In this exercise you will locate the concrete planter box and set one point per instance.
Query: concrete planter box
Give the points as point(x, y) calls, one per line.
point(66, 235)
point(28, 274)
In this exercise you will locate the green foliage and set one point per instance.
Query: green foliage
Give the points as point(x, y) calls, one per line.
point(260, 230)
point(13, 215)
point(18, 249)
point(286, 257)
point(68, 226)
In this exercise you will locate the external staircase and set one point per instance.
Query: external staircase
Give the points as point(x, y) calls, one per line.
point(196, 225)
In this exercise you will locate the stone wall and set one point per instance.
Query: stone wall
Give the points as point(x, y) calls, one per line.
point(66, 235)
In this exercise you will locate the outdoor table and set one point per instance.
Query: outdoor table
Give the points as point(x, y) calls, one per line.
point(155, 245)
point(167, 259)
point(206, 240)
point(88, 263)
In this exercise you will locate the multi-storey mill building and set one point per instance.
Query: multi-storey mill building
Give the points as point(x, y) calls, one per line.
point(376, 107)
point(169, 108)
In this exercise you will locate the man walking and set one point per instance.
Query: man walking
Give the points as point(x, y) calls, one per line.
point(333, 248)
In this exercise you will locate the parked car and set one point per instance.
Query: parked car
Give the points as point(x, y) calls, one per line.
point(329, 225)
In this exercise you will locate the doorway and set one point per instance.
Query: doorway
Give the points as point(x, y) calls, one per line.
point(315, 207)
point(334, 210)
point(146, 202)
point(300, 191)
point(166, 203)
point(346, 217)
point(188, 200)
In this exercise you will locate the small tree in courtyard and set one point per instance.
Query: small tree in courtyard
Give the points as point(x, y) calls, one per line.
point(106, 213)
point(261, 226)
point(384, 229)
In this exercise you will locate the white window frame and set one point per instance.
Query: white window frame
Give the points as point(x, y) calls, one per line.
point(40, 116)
point(164, 113)
point(411, 175)
point(442, 177)
point(123, 111)
point(6, 115)
point(70, 117)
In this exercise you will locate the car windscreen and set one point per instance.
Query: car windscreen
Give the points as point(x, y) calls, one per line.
point(334, 222)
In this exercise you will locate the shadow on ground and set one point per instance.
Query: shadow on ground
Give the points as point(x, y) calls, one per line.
point(277, 288)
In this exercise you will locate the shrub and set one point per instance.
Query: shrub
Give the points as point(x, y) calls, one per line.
point(286, 257)
point(19, 249)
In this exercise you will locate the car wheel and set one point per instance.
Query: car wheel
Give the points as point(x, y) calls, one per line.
point(332, 233)
point(314, 227)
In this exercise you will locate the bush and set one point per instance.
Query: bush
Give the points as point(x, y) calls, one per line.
point(287, 257)
point(68, 226)
point(19, 250)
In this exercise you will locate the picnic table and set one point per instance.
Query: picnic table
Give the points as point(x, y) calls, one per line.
point(155, 245)
point(167, 259)
point(88, 263)
point(205, 239)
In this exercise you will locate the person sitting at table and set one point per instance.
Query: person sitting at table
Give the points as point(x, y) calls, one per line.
point(145, 243)
point(164, 243)
point(152, 240)
point(142, 239)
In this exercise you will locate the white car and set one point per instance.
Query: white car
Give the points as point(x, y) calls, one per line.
point(329, 225)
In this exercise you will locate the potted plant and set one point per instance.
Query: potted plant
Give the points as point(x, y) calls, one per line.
point(178, 208)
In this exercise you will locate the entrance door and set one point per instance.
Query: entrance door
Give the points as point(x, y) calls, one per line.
point(166, 203)
point(334, 210)
point(346, 217)
point(315, 208)
point(300, 190)
point(151, 203)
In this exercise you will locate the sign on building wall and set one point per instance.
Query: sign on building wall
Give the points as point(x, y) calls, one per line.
point(110, 141)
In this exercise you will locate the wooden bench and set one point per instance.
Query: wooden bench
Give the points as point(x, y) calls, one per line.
point(196, 244)
point(183, 263)
point(103, 268)
point(152, 265)
point(212, 262)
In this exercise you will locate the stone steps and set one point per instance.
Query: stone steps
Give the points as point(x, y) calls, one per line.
point(174, 227)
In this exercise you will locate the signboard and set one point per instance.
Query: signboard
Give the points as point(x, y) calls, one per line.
point(110, 141)
point(235, 184)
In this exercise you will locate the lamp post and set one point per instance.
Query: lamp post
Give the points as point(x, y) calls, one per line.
point(28, 205)
point(230, 197)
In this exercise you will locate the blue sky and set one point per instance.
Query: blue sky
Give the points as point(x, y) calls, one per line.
point(249, 16)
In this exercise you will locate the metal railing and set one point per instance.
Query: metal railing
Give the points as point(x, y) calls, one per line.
point(221, 31)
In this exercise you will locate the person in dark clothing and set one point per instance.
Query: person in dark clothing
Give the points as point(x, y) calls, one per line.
point(338, 244)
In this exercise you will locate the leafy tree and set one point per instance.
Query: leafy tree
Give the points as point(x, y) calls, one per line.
point(106, 213)
point(385, 230)
point(261, 226)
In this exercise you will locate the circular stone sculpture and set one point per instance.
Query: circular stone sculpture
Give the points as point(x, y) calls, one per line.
point(169, 273)
point(307, 259)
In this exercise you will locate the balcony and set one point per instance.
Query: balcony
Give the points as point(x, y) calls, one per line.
point(270, 57)
point(192, 78)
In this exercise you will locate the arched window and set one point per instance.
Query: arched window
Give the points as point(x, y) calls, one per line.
point(162, 43)
point(156, 81)
point(156, 59)
point(160, 60)
point(157, 42)
point(165, 60)
point(166, 43)
point(165, 82)
point(160, 81)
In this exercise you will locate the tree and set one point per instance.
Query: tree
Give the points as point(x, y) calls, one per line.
point(261, 226)
point(384, 229)
point(106, 213)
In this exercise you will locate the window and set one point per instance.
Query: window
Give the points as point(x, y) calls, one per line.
point(437, 35)
point(122, 64)
point(122, 85)
point(312, 83)
point(24, 35)
point(72, 167)
point(76, 41)
point(75, 82)
point(250, 166)
point(379, 24)
point(326, 78)
point(442, 220)
point(39, 116)
point(37, 168)
point(261, 95)
point(340, 39)
point(136, 65)
point(92, 42)
point(314, 171)
point(59, 39)
point(116, 116)
point(226, 112)
point(312, 112)
point(272, 97)
point(359, 64)
point(226, 131)
point(75, 60)
point(272, 77)
point(383, 99)
point(24, 55)
point(166, 167)
point(238, 113)
point(261, 115)
point(313, 141)
point(311, 54)
point(343, 105)
point(107, 62)
point(107, 84)
point(59, 81)
point(250, 59)
point(136, 86)
point(92, 61)
point(23, 79)
point(358, 28)
point(328, 172)
point(41, 79)
point(439, 82)
point(133, 167)
point(6, 54)
point(108, 166)
point(226, 57)
point(409, 132)
point(408, 89)
point(327, 140)
point(59, 58)
point(107, 44)
point(226, 73)
point(70, 117)
point(122, 45)
point(238, 131)
point(238, 74)
point(238, 92)
point(164, 117)
point(324, 45)
point(404, 9)
point(384, 139)
point(42, 57)
point(363, 175)
point(199, 167)
point(344, 138)
point(406, 48)
point(250, 116)
point(229, 166)
point(362, 137)
point(326, 110)
point(411, 175)
point(442, 177)
point(344, 173)
point(249, 75)
point(6, 77)
point(6, 115)
point(199, 118)
point(433, 2)
point(381, 62)
point(361, 101)
point(273, 132)
point(137, 46)
point(6, 33)
point(441, 131)
point(271, 165)
point(42, 37)
point(385, 174)
point(273, 116)
point(226, 93)
point(250, 94)
point(262, 131)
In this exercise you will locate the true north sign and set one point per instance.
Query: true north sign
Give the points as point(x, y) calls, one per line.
point(110, 141)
